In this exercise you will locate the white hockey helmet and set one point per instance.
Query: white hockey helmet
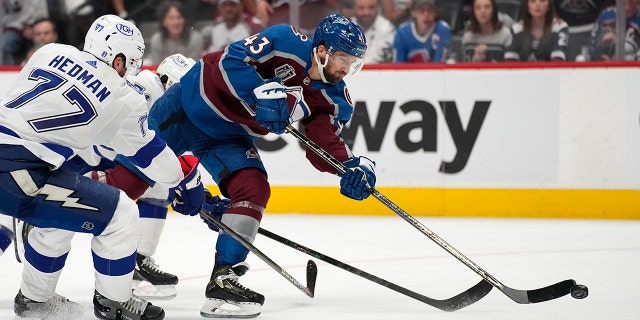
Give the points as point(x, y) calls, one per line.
point(173, 67)
point(109, 36)
point(148, 84)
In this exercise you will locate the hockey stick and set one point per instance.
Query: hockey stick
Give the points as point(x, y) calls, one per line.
point(312, 269)
point(551, 292)
point(458, 302)
point(15, 240)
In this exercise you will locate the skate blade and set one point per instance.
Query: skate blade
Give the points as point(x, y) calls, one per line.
point(216, 308)
point(149, 291)
point(55, 311)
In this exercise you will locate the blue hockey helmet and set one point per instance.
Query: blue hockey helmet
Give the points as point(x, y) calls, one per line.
point(338, 32)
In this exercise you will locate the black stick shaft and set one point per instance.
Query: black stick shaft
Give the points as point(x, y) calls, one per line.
point(520, 296)
point(311, 267)
point(460, 301)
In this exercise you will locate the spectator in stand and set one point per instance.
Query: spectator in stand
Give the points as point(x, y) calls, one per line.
point(579, 12)
point(232, 24)
point(134, 11)
point(486, 37)
point(396, 11)
point(603, 35)
point(540, 35)
point(16, 34)
point(426, 38)
point(311, 12)
point(467, 14)
point(175, 36)
point(377, 29)
point(43, 32)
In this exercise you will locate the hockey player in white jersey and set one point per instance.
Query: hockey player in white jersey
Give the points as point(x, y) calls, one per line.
point(150, 281)
point(66, 102)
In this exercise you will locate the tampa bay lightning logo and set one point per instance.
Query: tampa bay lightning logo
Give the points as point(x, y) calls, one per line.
point(125, 29)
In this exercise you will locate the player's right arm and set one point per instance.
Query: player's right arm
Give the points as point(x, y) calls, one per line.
point(141, 146)
point(243, 60)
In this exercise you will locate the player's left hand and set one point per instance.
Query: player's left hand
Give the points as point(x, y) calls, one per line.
point(359, 178)
point(214, 207)
point(189, 193)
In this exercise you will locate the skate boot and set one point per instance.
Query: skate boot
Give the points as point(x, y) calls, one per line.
point(149, 282)
point(57, 307)
point(132, 309)
point(226, 298)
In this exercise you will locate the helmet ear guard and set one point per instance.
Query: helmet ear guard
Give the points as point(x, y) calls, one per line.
point(109, 36)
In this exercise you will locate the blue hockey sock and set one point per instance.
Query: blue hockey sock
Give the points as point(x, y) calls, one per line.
point(229, 251)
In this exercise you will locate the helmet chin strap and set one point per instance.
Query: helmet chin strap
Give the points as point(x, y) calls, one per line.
point(321, 65)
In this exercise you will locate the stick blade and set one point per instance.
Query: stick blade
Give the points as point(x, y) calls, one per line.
point(551, 292)
point(547, 293)
point(312, 274)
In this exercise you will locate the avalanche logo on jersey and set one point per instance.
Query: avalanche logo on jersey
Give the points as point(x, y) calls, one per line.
point(419, 55)
point(296, 99)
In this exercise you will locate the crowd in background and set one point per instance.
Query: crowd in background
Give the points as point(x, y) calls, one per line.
point(397, 31)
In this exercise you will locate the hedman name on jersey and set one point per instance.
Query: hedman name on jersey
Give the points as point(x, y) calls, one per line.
point(75, 70)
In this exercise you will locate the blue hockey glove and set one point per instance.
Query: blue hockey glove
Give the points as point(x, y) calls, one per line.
point(189, 193)
point(358, 178)
point(272, 109)
point(214, 207)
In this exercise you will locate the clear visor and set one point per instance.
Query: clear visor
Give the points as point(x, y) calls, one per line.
point(346, 61)
point(134, 66)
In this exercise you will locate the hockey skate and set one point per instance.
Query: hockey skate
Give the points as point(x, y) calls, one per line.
point(226, 298)
point(132, 309)
point(149, 282)
point(57, 307)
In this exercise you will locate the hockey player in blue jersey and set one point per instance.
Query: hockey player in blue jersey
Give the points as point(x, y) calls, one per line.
point(255, 86)
point(424, 38)
point(66, 104)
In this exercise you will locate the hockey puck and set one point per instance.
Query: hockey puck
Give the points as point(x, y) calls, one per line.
point(579, 291)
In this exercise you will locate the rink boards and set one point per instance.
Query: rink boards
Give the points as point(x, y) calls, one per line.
point(508, 140)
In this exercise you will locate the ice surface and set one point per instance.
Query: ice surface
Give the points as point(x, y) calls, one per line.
point(521, 253)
